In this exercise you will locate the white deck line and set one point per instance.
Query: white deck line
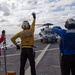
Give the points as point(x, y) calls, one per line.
point(37, 60)
point(11, 55)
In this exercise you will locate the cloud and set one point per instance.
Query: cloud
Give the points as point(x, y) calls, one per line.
point(2, 20)
point(54, 11)
point(6, 14)
point(4, 7)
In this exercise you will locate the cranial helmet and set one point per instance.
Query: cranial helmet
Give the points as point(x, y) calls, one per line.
point(25, 25)
point(70, 23)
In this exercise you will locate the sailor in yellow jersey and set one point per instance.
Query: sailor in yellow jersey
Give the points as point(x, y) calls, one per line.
point(27, 43)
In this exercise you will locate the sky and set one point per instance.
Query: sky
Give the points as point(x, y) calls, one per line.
point(14, 12)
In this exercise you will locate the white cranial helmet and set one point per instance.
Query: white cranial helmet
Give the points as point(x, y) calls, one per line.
point(70, 23)
point(25, 25)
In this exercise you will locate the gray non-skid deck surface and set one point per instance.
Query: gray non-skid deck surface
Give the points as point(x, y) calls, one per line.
point(49, 64)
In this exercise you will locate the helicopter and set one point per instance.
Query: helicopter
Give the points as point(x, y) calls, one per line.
point(47, 35)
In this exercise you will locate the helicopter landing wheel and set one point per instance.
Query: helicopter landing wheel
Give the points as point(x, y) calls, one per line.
point(55, 40)
point(41, 40)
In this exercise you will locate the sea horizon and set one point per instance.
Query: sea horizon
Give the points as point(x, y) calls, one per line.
point(8, 37)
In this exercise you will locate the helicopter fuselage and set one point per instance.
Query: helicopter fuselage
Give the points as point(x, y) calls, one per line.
point(47, 35)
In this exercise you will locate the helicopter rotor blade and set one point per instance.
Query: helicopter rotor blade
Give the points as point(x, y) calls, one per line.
point(37, 25)
point(47, 24)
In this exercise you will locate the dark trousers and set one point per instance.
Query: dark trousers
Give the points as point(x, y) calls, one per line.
point(27, 53)
point(68, 65)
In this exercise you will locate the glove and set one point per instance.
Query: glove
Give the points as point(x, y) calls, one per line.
point(18, 47)
point(34, 15)
point(3, 31)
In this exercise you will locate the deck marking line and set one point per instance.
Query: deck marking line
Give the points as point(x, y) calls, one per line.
point(56, 66)
point(35, 51)
point(11, 55)
point(53, 49)
point(8, 63)
point(37, 60)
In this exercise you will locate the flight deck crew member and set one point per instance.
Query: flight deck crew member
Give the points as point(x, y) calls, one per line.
point(27, 44)
point(2, 38)
point(67, 47)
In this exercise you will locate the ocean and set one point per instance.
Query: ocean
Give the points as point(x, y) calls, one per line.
point(9, 44)
point(8, 37)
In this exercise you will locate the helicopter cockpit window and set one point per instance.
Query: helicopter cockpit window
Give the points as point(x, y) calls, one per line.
point(52, 32)
point(47, 32)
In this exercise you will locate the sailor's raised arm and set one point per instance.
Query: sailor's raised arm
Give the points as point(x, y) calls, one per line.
point(33, 22)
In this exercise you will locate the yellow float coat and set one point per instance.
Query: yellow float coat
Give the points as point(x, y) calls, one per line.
point(26, 36)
